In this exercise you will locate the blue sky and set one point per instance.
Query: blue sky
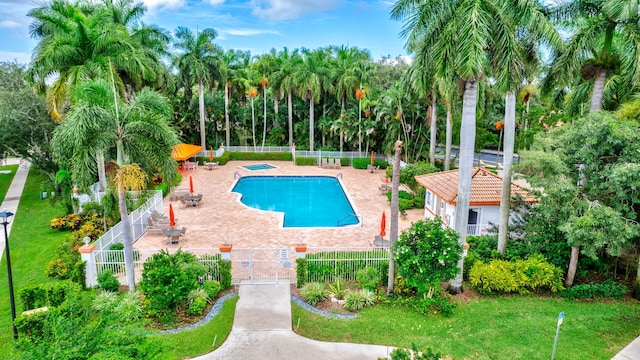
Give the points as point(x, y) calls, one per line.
point(254, 25)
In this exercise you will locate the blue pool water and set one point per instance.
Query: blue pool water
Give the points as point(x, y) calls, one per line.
point(259, 167)
point(306, 201)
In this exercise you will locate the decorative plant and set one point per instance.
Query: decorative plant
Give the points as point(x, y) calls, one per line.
point(313, 292)
point(337, 289)
point(355, 301)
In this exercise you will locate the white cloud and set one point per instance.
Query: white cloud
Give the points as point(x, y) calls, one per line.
point(20, 57)
point(275, 10)
point(163, 4)
point(247, 32)
point(215, 2)
point(10, 24)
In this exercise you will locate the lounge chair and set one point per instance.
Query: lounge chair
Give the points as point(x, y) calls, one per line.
point(336, 163)
point(156, 228)
point(381, 242)
point(183, 232)
point(384, 188)
point(324, 163)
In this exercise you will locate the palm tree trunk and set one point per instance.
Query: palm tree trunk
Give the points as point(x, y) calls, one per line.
point(507, 160)
point(449, 136)
point(226, 114)
point(253, 124)
point(598, 90)
point(102, 178)
point(264, 130)
point(201, 105)
point(432, 145)
point(360, 125)
point(311, 123)
point(393, 229)
point(127, 239)
point(290, 109)
point(467, 141)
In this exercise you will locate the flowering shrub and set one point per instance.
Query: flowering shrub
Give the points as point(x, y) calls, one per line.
point(426, 254)
point(73, 221)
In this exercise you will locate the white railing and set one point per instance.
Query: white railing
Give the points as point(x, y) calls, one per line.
point(299, 153)
point(329, 264)
point(138, 220)
point(478, 229)
point(114, 260)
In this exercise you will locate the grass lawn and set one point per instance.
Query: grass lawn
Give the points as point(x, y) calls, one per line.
point(199, 341)
point(33, 245)
point(5, 179)
point(512, 327)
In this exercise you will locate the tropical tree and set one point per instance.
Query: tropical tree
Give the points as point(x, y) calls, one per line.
point(138, 131)
point(284, 81)
point(601, 56)
point(393, 227)
point(198, 60)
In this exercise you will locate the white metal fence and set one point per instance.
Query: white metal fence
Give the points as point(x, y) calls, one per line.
point(138, 220)
point(479, 229)
point(299, 153)
point(330, 264)
point(263, 265)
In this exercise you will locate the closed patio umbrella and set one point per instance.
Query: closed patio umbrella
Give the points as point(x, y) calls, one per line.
point(190, 184)
point(210, 154)
point(383, 224)
point(373, 156)
point(172, 218)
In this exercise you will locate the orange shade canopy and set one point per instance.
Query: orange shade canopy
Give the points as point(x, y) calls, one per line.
point(183, 152)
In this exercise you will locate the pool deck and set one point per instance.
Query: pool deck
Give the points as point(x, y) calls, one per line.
point(222, 216)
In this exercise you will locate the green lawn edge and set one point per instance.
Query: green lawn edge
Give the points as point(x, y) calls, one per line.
point(511, 327)
point(6, 180)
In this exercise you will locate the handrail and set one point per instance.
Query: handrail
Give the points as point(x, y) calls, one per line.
point(339, 175)
point(236, 175)
point(348, 216)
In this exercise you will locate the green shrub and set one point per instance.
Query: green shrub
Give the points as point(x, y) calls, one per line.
point(301, 272)
point(313, 292)
point(92, 207)
point(197, 307)
point(414, 353)
point(361, 163)
point(409, 172)
point(108, 282)
point(338, 289)
point(521, 276)
point(606, 289)
point(212, 288)
point(306, 161)
point(276, 156)
point(51, 294)
point(129, 308)
point(368, 278)
point(216, 268)
point(225, 274)
point(32, 325)
point(116, 246)
point(163, 187)
point(355, 301)
point(167, 279)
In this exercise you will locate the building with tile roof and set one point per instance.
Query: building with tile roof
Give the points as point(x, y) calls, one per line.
point(484, 201)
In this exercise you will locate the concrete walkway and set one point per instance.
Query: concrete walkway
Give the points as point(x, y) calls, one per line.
point(630, 352)
point(12, 198)
point(262, 330)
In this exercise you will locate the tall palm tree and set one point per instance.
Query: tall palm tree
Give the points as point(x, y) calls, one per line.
point(284, 81)
point(199, 60)
point(310, 76)
point(432, 28)
point(139, 132)
point(603, 38)
point(393, 227)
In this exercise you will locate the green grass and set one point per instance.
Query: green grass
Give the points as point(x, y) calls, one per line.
point(199, 341)
point(33, 245)
point(511, 327)
point(5, 179)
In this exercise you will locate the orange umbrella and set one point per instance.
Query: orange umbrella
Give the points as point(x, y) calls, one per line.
point(190, 184)
point(383, 224)
point(172, 218)
point(210, 153)
point(373, 155)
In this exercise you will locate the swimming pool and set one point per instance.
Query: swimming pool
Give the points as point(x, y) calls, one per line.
point(306, 201)
point(259, 167)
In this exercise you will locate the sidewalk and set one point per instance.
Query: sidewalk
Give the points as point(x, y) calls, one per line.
point(630, 352)
point(262, 330)
point(12, 198)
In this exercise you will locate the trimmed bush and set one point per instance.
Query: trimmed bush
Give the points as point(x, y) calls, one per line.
point(108, 282)
point(32, 325)
point(276, 156)
point(212, 288)
point(368, 278)
point(313, 292)
point(301, 272)
point(607, 289)
point(51, 294)
point(363, 163)
point(355, 301)
point(306, 161)
point(216, 268)
point(521, 276)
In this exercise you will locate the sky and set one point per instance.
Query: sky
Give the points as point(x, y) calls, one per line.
point(254, 25)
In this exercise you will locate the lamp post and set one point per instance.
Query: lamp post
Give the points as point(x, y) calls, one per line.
point(5, 219)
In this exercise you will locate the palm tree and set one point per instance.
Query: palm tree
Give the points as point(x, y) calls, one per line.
point(432, 29)
point(393, 227)
point(284, 80)
point(199, 60)
point(603, 39)
point(138, 130)
point(310, 77)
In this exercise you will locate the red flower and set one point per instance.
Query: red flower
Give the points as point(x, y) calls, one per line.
point(499, 125)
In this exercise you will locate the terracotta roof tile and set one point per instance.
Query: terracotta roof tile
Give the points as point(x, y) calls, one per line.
point(486, 187)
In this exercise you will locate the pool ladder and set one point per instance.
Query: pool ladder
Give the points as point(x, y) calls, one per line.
point(236, 175)
point(348, 216)
point(339, 175)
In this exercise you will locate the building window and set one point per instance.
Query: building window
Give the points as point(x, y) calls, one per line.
point(429, 198)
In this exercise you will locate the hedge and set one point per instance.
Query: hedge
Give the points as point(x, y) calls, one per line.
point(50, 294)
point(607, 289)
point(363, 163)
point(306, 161)
point(276, 156)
